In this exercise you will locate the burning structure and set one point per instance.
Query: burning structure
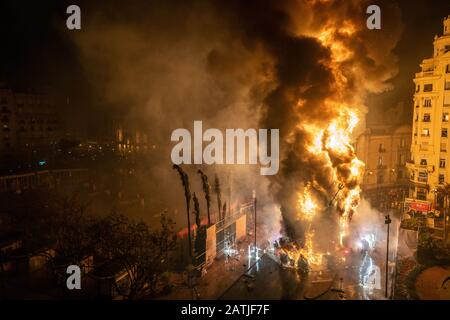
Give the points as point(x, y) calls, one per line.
point(303, 67)
point(326, 63)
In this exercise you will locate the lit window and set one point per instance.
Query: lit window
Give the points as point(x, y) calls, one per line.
point(425, 132)
point(447, 85)
point(445, 117)
point(443, 146)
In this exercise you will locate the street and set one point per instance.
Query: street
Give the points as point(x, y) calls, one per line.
point(360, 278)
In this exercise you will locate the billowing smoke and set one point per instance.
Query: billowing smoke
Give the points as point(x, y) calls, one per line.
point(164, 65)
point(326, 62)
point(304, 67)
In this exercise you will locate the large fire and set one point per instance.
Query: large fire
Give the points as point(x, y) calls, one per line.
point(328, 175)
point(331, 143)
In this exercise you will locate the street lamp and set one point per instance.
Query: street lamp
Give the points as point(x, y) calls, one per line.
point(254, 208)
point(387, 221)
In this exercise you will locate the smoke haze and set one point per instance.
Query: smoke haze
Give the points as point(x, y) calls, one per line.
point(254, 64)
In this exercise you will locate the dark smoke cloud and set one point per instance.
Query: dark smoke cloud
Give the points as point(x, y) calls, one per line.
point(237, 64)
point(162, 67)
point(289, 31)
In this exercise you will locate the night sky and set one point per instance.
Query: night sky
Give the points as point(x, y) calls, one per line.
point(37, 50)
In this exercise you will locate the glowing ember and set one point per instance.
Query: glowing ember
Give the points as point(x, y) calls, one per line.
point(306, 205)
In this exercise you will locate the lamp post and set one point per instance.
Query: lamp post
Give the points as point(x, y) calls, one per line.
point(388, 222)
point(254, 210)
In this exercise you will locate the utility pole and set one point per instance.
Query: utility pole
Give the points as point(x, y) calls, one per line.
point(229, 194)
point(388, 222)
point(445, 223)
point(254, 212)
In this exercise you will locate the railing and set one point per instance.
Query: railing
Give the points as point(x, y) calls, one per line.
point(33, 179)
point(220, 226)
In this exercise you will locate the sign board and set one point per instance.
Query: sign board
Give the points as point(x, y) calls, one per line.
point(210, 244)
point(241, 227)
point(417, 205)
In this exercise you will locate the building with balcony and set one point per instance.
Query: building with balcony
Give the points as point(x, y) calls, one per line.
point(429, 167)
point(384, 150)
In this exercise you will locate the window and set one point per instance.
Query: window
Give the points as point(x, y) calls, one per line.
point(443, 146)
point(427, 102)
point(444, 132)
point(424, 146)
point(428, 87)
point(402, 142)
point(441, 178)
point(447, 69)
point(447, 100)
point(426, 117)
point(442, 163)
point(423, 176)
point(381, 148)
point(417, 118)
point(447, 85)
point(425, 132)
point(423, 162)
point(445, 117)
point(421, 194)
point(380, 177)
point(380, 161)
point(418, 87)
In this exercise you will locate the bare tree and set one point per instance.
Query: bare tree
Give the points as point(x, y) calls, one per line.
point(187, 195)
point(206, 191)
point(218, 192)
point(142, 253)
point(224, 210)
point(196, 211)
